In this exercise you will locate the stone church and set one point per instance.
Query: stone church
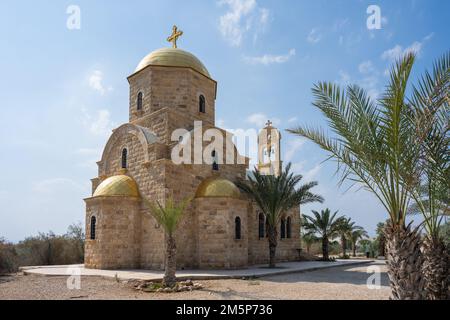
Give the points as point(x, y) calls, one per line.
point(221, 229)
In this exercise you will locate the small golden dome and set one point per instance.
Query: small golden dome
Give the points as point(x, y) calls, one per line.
point(173, 57)
point(217, 187)
point(120, 185)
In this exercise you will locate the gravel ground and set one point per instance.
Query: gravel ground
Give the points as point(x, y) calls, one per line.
point(335, 283)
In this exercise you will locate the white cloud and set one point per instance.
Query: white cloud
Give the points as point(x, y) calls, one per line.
point(260, 120)
point(398, 51)
point(293, 119)
point(270, 59)
point(314, 36)
point(292, 147)
point(344, 78)
point(311, 174)
point(366, 67)
point(241, 17)
point(96, 82)
point(100, 124)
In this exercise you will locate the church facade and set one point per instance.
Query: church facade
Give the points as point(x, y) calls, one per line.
point(221, 229)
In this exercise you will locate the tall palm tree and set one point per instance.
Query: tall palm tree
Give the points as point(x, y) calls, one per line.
point(377, 145)
point(345, 228)
point(432, 196)
point(275, 195)
point(168, 216)
point(326, 225)
point(356, 235)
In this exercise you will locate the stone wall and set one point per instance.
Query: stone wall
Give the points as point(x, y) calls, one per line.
point(217, 247)
point(118, 229)
point(174, 87)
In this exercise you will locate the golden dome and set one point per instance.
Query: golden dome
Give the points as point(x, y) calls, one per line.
point(173, 57)
point(120, 185)
point(216, 187)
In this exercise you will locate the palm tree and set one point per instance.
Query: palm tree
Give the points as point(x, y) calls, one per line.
point(345, 228)
point(275, 195)
point(432, 196)
point(355, 235)
point(326, 225)
point(309, 239)
point(168, 216)
point(381, 238)
point(377, 145)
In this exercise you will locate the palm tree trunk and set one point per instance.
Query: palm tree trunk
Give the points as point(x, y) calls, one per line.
point(382, 246)
point(344, 245)
point(435, 268)
point(170, 279)
point(273, 242)
point(325, 249)
point(404, 261)
point(354, 249)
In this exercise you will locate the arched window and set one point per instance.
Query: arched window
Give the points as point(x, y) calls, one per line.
point(201, 104)
point(93, 222)
point(288, 227)
point(124, 158)
point(261, 222)
point(215, 165)
point(237, 228)
point(139, 101)
point(283, 229)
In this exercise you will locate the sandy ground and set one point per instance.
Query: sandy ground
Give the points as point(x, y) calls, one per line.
point(335, 283)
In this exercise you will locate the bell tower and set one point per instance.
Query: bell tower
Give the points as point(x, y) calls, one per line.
point(269, 159)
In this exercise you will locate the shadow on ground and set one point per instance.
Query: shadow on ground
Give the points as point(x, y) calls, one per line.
point(356, 275)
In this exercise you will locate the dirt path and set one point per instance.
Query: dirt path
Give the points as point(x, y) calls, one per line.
point(335, 283)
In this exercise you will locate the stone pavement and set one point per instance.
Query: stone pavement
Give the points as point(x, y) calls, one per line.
point(254, 271)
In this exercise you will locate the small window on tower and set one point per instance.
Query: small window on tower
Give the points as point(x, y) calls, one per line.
point(93, 223)
point(139, 101)
point(215, 165)
point(201, 104)
point(124, 158)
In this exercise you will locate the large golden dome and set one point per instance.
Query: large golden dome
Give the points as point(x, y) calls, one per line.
point(217, 187)
point(173, 57)
point(120, 185)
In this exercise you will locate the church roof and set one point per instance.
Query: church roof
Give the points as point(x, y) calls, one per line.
point(173, 57)
point(217, 187)
point(120, 185)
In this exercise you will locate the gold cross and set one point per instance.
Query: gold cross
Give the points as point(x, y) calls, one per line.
point(174, 36)
point(269, 123)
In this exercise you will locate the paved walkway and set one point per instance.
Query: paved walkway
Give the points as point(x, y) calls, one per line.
point(254, 271)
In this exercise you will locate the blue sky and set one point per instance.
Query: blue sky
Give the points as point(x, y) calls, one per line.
point(62, 90)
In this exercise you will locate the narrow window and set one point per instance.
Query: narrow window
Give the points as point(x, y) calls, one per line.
point(237, 228)
point(261, 222)
point(288, 228)
point(139, 101)
point(124, 158)
point(215, 165)
point(283, 229)
point(201, 104)
point(93, 222)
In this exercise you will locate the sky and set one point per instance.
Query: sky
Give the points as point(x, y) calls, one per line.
point(63, 88)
